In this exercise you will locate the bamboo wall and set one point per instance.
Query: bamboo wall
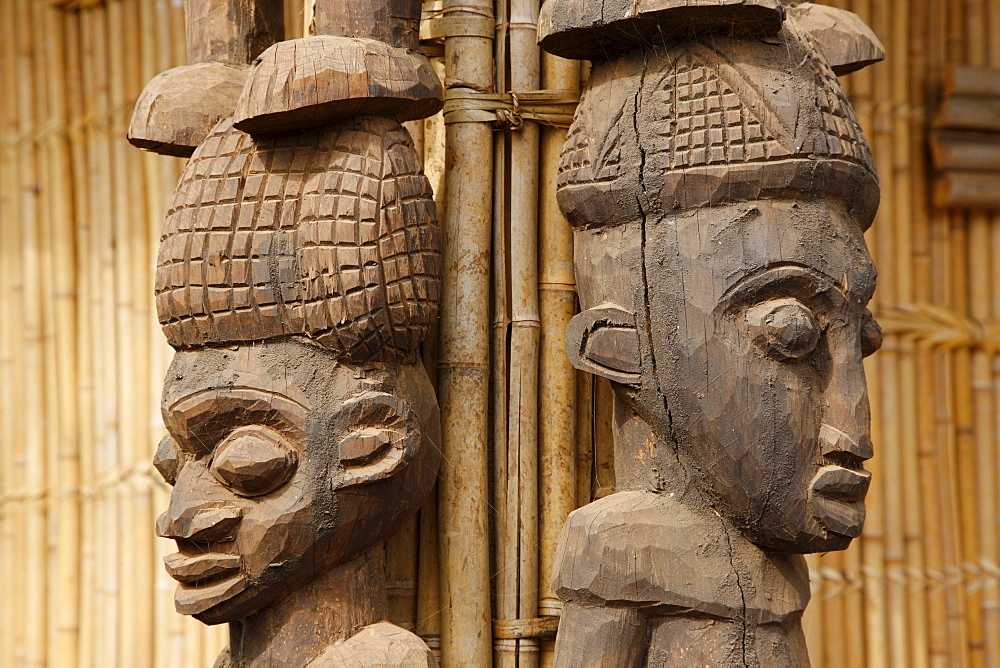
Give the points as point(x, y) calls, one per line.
point(527, 438)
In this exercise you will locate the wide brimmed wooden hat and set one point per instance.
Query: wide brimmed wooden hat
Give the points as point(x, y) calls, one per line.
point(706, 120)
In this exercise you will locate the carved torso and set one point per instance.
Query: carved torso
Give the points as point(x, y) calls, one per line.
point(647, 552)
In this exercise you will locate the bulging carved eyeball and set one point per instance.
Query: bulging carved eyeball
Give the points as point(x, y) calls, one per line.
point(253, 461)
point(785, 329)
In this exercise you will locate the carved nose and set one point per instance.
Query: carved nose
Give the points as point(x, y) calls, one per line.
point(845, 431)
point(210, 525)
point(833, 442)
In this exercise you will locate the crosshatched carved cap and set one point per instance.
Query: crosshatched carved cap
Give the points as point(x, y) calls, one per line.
point(704, 121)
point(330, 234)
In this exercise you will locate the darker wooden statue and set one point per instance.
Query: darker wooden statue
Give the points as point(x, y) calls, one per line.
point(719, 186)
point(298, 272)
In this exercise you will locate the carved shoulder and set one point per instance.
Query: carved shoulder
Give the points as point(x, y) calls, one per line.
point(649, 551)
point(381, 645)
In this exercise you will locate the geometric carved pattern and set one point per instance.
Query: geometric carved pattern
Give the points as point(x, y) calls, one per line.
point(706, 122)
point(329, 234)
point(708, 114)
point(839, 121)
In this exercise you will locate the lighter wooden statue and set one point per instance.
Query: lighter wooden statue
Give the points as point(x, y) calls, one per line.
point(298, 272)
point(719, 186)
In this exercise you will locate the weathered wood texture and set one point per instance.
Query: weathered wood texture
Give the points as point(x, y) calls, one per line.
point(179, 107)
point(362, 59)
point(597, 30)
point(720, 186)
point(320, 79)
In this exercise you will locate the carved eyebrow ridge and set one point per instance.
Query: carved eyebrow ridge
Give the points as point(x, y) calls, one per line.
point(180, 413)
point(765, 277)
point(788, 272)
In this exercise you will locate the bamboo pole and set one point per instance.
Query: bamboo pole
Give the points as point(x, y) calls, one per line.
point(900, 247)
point(918, 45)
point(130, 636)
point(517, 594)
point(953, 421)
point(872, 540)
point(505, 554)
point(44, 121)
point(931, 459)
point(978, 409)
point(84, 389)
point(991, 546)
point(63, 604)
point(504, 558)
point(557, 378)
point(104, 338)
point(464, 359)
point(8, 347)
point(14, 272)
point(153, 59)
point(30, 100)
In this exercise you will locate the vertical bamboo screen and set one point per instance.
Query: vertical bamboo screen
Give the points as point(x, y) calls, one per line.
point(528, 438)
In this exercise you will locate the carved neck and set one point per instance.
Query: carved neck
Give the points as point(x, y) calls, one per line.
point(333, 607)
point(646, 462)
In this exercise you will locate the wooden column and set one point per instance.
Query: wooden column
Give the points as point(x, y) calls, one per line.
point(464, 363)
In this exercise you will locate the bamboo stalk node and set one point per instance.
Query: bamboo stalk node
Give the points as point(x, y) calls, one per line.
point(515, 629)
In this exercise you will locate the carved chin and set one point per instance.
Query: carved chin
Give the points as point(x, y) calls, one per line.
point(203, 601)
point(840, 517)
point(837, 499)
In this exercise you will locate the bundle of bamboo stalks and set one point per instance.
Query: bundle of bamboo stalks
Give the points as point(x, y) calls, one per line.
point(526, 439)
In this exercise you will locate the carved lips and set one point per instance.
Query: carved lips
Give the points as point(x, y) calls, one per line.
point(837, 496)
point(205, 579)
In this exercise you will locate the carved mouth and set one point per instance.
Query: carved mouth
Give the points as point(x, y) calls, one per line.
point(837, 497)
point(204, 580)
point(200, 569)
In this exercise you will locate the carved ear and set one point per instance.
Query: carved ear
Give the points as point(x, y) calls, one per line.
point(845, 40)
point(605, 342)
point(383, 433)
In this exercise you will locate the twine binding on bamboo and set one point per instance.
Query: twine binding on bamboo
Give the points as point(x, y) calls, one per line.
point(509, 111)
point(933, 326)
point(968, 576)
point(437, 25)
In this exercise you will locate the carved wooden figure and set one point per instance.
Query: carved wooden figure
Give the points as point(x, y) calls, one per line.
point(719, 185)
point(298, 273)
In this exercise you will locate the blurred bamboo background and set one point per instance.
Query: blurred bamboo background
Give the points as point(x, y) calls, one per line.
point(527, 438)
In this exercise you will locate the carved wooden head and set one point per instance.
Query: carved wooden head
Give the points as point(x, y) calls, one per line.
point(284, 463)
point(296, 278)
point(720, 190)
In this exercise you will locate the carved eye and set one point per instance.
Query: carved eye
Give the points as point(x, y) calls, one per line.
point(168, 460)
point(784, 328)
point(871, 334)
point(253, 461)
